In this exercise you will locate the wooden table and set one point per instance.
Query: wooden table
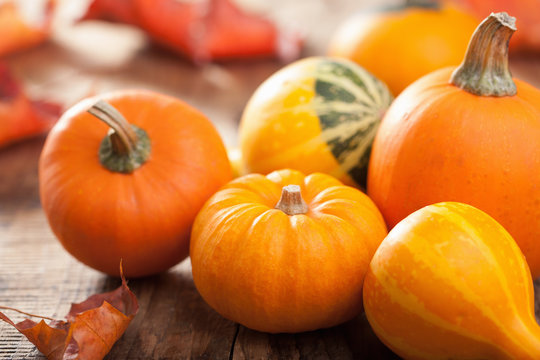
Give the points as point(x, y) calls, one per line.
point(38, 276)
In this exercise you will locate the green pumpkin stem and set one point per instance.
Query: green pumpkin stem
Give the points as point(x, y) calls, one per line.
point(126, 147)
point(485, 71)
point(291, 201)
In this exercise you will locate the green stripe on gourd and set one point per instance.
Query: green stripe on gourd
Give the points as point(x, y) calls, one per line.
point(349, 103)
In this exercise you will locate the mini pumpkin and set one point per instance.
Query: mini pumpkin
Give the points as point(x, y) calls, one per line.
point(129, 187)
point(285, 252)
point(449, 282)
point(467, 134)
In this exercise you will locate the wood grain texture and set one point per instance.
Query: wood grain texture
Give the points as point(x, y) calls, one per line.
point(38, 276)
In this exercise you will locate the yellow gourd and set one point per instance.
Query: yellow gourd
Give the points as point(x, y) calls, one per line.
point(449, 282)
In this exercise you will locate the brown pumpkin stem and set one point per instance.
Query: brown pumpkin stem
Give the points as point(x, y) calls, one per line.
point(126, 147)
point(485, 71)
point(123, 137)
point(291, 201)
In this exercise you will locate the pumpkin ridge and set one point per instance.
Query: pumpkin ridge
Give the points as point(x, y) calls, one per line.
point(228, 216)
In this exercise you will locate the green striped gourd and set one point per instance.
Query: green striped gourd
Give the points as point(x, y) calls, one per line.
point(318, 114)
point(449, 282)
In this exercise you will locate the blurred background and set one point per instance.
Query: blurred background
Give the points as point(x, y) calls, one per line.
point(82, 58)
point(72, 58)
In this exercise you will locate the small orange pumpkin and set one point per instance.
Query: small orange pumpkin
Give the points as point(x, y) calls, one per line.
point(469, 134)
point(284, 264)
point(449, 282)
point(132, 193)
point(400, 44)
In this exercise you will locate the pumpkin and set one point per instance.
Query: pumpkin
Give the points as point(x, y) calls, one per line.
point(315, 115)
point(410, 40)
point(527, 11)
point(469, 134)
point(129, 187)
point(285, 252)
point(449, 282)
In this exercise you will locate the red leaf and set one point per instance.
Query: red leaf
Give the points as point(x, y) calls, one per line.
point(91, 330)
point(21, 117)
point(202, 30)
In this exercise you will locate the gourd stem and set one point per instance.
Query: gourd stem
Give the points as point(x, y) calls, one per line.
point(485, 71)
point(291, 201)
point(123, 137)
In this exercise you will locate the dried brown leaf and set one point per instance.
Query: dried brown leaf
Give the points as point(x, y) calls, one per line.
point(91, 329)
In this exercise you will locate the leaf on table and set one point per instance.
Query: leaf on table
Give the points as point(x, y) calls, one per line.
point(24, 23)
point(91, 329)
point(21, 117)
point(202, 30)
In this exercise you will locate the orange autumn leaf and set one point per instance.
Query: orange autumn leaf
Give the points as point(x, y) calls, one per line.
point(21, 117)
point(20, 26)
point(91, 329)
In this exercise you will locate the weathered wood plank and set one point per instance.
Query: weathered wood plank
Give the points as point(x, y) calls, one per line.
point(352, 340)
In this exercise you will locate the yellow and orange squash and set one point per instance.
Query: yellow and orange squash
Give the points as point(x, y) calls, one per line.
point(449, 282)
point(317, 114)
point(285, 252)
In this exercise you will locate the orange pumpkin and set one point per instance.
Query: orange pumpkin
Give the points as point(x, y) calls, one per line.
point(472, 136)
point(400, 44)
point(134, 192)
point(288, 264)
point(449, 282)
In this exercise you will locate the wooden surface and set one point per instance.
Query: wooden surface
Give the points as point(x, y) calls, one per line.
point(38, 276)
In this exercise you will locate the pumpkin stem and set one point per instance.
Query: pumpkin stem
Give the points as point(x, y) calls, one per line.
point(126, 147)
point(485, 71)
point(291, 201)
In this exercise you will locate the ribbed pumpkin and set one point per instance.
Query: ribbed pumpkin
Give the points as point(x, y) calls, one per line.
point(400, 44)
point(449, 282)
point(129, 187)
point(472, 136)
point(285, 264)
point(315, 115)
